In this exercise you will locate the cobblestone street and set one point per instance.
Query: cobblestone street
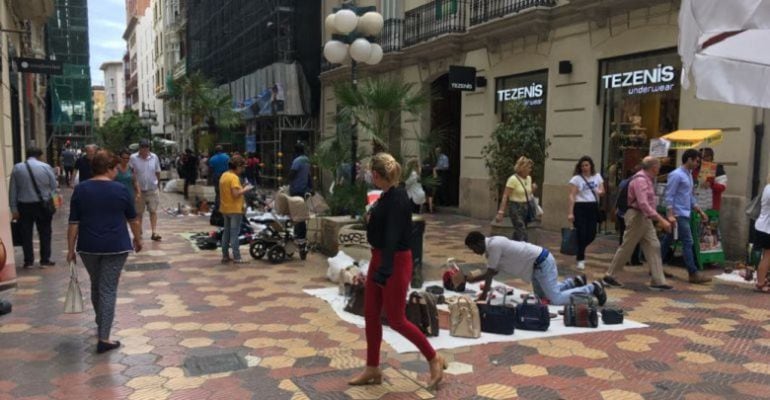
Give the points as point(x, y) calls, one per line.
point(194, 329)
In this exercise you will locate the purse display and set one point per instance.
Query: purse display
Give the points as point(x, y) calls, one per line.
point(464, 319)
point(532, 315)
point(612, 316)
point(497, 319)
point(355, 303)
point(422, 312)
point(581, 312)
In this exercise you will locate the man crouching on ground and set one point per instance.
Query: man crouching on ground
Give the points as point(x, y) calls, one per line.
point(530, 263)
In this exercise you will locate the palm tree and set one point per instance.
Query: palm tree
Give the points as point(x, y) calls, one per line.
point(208, 108)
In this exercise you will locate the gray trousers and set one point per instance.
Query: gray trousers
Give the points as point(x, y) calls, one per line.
point(104, 271)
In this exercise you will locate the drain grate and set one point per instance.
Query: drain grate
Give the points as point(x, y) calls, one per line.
point(214, 364)
point(147, 266)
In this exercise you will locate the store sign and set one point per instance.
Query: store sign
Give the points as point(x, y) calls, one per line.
point(643, 81)
point(462, 78)
point(39, 66)
point(530, 95)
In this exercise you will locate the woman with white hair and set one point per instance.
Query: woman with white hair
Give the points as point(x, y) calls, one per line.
point(516, 196)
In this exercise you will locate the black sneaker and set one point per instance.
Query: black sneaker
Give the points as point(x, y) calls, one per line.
point(580, 280)
point(661, 288)
point(609, 280)
point(600, 293)
point(103, 347)
point(44, 264)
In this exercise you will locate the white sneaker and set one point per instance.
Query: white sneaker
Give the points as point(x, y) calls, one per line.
point(581, 265)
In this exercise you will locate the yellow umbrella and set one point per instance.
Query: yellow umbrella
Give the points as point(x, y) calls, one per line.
point(688, 139)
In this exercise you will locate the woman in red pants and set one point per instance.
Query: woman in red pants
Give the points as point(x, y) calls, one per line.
point(389, 231)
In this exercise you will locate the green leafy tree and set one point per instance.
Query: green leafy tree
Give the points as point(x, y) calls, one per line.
point(208, 108)
point(121, 130)
point(521, 134)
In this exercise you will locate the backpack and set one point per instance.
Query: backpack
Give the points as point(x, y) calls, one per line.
point(422, 312)
point(621, 203)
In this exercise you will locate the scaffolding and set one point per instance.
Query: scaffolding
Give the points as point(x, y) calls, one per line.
point(69, 95)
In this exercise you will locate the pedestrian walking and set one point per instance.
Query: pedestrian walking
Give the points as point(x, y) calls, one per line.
point(99, 210)
point(620, 212)
point(232, 208)
point(146, 166)
point(639, 227)
point(441, 171)
point(252, 169)
point(680, 202)
point(586, 188)
point(30, 191)
point(516, 196)
point(190, 171)
point(68, 159)
point(83, 164)
point(219, 164)
point(389, 231)
point(413, 186)
point(762, 240)
point(430, 189)
point(300, 184)
point(529, 263)
point(126, 175)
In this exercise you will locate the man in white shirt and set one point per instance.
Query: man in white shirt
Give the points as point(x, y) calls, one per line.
point(146, 166)
point(530, 263)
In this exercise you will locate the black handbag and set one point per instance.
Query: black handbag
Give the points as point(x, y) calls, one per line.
point(16, 233)
point(569, 245)
point(531, 315)
point(5, 307)
point(497, 319)
point(48, 205)
point(581, 312)
point(612, 316)
point(217, 219)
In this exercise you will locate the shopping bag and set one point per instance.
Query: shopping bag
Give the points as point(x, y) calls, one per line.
point(73, 302)
point(569, 244)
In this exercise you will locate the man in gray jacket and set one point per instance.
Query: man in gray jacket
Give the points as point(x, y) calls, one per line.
point(28, 206)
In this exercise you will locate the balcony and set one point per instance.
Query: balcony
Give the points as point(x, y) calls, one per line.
point(180, 68)
point(434, 19)
point(486, 10)
point(392, 35)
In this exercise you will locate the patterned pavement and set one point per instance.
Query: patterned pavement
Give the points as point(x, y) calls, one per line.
point(194, 329)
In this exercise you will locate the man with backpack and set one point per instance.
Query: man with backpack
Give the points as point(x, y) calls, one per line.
point(640, 212)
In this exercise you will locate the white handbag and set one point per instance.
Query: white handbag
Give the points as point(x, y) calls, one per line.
point(73, 302)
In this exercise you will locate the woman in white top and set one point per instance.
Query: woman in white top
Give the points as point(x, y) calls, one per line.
point(586, 188)
point(762, 240)
point(518, 192)
point(413, 186)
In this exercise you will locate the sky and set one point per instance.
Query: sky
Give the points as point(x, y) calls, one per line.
point(106, 23)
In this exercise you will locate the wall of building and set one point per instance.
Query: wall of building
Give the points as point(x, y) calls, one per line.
point(147, 67)
point(114, 89)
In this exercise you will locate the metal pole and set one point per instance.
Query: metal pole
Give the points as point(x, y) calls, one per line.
point(353, 129)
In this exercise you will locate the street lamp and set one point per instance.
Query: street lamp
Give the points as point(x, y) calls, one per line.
point(353, 33)
point(148, 117)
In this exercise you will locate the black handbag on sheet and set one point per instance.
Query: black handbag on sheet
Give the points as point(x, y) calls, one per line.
point(497, 319)
point(532, 315)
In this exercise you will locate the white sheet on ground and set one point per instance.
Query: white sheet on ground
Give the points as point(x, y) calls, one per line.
point(735, 277)
point(445, 341)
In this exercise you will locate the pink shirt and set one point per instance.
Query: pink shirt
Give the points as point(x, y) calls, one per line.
point(641, 195)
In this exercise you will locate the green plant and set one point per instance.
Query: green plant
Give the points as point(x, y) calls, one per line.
point(521, 134)
point(121, 130)
point(348, 200)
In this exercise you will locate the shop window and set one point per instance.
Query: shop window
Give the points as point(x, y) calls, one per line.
point(640, 98)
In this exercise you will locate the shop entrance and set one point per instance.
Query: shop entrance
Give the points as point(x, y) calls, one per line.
point(445, 118)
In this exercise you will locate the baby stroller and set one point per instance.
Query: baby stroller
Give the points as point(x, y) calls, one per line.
point(277, 240)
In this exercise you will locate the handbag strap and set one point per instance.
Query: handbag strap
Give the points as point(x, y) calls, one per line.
point(589, 188)
point(523, 186)
point(73, 271)
point(34, 182)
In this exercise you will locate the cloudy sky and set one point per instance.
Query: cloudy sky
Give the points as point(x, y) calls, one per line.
point(106, 23)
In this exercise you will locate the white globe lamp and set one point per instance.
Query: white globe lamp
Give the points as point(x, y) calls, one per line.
point(345, 21)
point(375, 55)
point(335, 51)
point(361, 50)
point(371, 23)
point(329, 24)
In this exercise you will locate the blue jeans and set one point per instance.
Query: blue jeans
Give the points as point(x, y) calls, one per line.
point(685, 236)
point(545, 282)
point(230, 235)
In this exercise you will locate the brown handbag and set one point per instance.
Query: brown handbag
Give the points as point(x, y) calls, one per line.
point(464, 320)
point(355, 304)
point(422, 312)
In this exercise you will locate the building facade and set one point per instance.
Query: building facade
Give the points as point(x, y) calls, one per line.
point(604, 76)
point(22, 101)
point(97, 98)
point(114, 88)
point(147, 69)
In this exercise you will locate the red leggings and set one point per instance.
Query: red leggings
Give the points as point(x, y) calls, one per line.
point(393, 298)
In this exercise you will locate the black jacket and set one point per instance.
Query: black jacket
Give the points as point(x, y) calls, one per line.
point(390, 228)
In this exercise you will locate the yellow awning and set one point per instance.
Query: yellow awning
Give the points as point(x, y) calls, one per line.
point(688, 139)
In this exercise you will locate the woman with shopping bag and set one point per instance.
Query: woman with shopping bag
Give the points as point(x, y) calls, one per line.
point(97, 231)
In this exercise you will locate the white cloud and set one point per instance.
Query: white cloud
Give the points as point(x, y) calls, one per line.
point(114, 44)
point(105, 23)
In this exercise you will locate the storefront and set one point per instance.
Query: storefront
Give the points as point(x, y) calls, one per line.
point(640, 98)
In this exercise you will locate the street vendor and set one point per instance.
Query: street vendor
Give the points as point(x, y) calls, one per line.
point(713, 180)
point(530, 263)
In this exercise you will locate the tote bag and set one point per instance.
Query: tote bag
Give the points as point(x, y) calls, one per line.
point(73, 302)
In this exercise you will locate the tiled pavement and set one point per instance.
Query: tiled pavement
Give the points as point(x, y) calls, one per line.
point(182, 325)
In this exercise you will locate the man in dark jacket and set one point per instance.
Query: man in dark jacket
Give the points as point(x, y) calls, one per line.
point(189, 170)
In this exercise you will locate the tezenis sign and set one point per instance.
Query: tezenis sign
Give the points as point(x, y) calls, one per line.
point(658, 79)
point(462, 78)
point(529, 95)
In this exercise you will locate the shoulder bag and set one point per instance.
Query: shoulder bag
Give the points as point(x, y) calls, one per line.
point(464, 320)
point(754, 208)
point(48, 205)
point(601, 216)
point(497, 319)
point(422, 312)
point(532, 315)
point(531, 208)
point(73, 301)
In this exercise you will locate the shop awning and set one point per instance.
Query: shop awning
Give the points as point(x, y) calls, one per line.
point(725, 45)
point(688, 139)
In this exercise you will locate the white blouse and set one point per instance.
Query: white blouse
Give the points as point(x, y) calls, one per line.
point(763, 222)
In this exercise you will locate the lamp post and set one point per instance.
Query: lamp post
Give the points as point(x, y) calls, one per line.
point(148, 117)
point(353, 33)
